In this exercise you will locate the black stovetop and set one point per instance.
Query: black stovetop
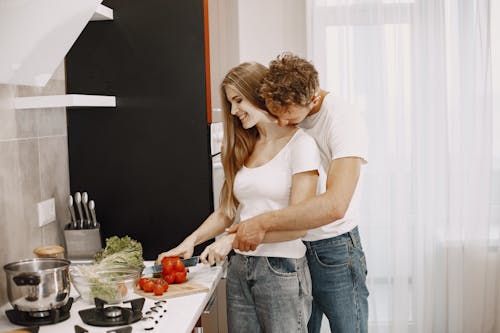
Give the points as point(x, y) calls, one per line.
point(34, 319)
point(113, 315)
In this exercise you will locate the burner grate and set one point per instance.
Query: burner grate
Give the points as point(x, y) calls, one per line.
point(113, 315)
point(24, 318)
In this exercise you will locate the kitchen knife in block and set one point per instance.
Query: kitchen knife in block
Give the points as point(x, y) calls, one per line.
point(85, 202)
point(92, 212)
point(74, 223)
point(78, 202)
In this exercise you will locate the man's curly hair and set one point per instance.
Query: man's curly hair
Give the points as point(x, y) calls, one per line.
point(290, 80)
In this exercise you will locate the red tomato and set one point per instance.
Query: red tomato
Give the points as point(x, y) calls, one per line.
point(142, 281)
point(168, 267)
point(162, 283)
point(148, 286)
point(179, 266)
point(158, 289)
point(180, 276)
point(167, 259)
point(169, 278)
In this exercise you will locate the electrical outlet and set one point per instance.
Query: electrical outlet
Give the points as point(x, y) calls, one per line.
point(46, 212)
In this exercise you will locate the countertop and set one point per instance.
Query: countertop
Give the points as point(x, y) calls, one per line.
point(182, 312)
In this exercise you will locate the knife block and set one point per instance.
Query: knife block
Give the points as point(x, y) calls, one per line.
point(82, 243)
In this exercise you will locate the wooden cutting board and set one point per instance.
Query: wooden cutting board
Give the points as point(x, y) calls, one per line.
point(175, 290)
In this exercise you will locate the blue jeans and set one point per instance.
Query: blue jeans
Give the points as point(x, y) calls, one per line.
point(338, 272)
point(268, 294)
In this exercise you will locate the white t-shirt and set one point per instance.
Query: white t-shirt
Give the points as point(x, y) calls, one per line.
point(267, 188)
point(339, 131)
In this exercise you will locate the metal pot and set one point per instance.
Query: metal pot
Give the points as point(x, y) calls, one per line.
point(38, 284)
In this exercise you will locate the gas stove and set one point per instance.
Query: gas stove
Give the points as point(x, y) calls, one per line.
point(182, 314)
point(39, 318)
point(107, 316)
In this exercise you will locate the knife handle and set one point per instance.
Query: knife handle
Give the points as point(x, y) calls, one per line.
point(85, 200)
point(72, 212)
point(92, 212)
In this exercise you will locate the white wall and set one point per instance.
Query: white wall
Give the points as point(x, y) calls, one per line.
point(270, 27)
point(224, 46)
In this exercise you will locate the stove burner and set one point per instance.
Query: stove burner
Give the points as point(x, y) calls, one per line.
point(112, 315)
point(39, 318)
point(113, 311)
point(39, 314)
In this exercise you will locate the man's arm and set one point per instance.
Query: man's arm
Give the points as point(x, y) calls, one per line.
point(343, 176)
point(304, 186)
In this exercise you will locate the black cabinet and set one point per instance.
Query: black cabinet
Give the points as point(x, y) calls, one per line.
point(146, 162)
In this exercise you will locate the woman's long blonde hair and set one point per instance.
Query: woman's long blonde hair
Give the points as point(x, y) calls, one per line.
point(238, 143)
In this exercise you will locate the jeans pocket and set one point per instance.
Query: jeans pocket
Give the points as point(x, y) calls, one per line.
point(282, 266)
point(305, 281)
point(334, 255)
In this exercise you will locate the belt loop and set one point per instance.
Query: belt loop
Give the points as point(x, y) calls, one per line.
point(353, 239)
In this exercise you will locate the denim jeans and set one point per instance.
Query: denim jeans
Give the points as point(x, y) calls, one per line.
point(338, 272)
point(268, 294)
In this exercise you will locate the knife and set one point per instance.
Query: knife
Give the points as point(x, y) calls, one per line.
point(193, 261)
point(74, 224)
point(78, 202)
point(85, 201)
point(92, 212)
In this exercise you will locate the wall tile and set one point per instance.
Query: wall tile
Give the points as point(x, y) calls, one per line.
point(54, 175)
point(52, 122)
point(26, 123)
point(29, 172)
point(27, 91)
point(52, 234)
point(54, 87)
point(7, 112)
point(12, 205)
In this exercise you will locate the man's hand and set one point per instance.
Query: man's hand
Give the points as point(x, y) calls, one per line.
point(249, 235)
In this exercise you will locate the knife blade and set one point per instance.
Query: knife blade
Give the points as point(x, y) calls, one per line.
point(193, 261)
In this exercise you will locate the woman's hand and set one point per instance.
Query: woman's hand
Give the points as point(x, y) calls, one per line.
point(217, 251)
point(184, 250)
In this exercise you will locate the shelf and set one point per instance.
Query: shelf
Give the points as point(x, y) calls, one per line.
point(102, 13)
point(56, 101)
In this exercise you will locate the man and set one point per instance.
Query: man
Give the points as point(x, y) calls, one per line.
point(336, 259)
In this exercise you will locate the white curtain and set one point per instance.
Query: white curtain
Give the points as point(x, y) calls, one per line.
point(426, 74)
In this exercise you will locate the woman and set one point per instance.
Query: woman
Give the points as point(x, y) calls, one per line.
point(266, 167)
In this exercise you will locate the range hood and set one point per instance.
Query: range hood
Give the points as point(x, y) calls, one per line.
point(35, 36)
